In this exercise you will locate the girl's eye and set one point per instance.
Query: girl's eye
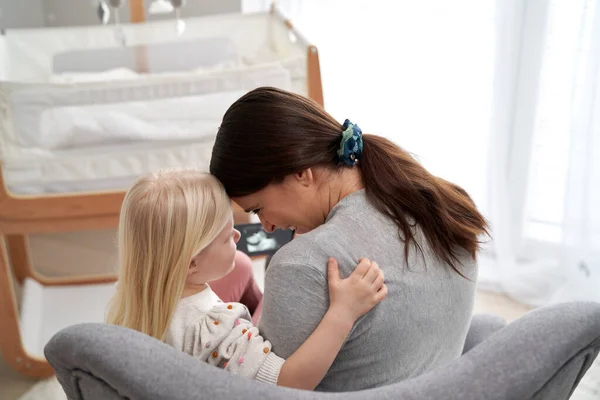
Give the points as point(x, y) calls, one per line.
point(255, 212)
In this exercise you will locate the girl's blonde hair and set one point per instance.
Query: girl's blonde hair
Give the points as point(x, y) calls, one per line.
point(167, 218)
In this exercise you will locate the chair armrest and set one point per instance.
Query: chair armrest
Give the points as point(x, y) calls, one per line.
point(542, 355)
point(482, 327)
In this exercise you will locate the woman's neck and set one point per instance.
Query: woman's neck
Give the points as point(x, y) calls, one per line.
point(347, 182)
point(191, 289)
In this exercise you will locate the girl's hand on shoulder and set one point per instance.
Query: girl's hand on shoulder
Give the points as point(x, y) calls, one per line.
point(354, 296)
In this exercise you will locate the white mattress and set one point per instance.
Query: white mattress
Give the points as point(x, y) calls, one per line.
point(104, 137)
point(104, 168)
point(108, 148)
point(171, 119)
point(49, 117)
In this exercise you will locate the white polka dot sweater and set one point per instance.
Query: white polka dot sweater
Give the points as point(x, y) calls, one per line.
point(222, 334)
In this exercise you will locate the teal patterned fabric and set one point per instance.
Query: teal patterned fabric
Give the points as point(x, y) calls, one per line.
point(351, 145)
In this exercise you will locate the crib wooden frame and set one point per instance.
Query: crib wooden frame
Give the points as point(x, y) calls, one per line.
point(21, 216)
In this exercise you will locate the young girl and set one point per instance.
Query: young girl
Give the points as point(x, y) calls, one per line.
point(175, 235)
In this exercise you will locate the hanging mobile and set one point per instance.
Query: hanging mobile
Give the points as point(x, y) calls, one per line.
point(103, 12)
point(180, 24)
point(119, 34)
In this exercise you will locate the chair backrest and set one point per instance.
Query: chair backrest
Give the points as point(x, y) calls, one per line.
point(543, 355)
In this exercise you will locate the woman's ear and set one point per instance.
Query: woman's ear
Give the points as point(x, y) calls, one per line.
point(305, 177)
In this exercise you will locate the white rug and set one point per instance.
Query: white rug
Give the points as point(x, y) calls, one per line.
point(48, 389)
point(588, 389)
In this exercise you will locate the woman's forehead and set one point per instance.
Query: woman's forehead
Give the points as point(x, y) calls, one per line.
point(252, 201)
point(248, 202)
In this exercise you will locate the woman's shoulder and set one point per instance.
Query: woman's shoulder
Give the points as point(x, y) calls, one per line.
point(309, 250)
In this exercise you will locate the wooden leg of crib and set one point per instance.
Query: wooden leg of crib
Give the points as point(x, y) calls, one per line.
point(315, 87)
point(18, 255)
point(11, 346)
point(137, 11)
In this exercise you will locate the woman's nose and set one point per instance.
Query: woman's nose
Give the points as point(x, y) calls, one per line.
point(267, 226)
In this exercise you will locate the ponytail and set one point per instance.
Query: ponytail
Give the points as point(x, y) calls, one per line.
point(400, 187)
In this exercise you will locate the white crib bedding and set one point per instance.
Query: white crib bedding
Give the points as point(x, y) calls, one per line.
point(171, 119)
point(53, 117)
point(96, 146)
point(103, 137)
point(104, 167)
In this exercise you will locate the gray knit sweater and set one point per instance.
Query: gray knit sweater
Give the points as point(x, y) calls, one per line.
point(422, 324)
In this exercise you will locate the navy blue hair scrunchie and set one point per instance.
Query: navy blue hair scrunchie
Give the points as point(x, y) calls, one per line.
point(351, 144)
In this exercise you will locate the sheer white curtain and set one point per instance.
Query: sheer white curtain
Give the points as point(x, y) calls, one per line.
point(581, 220)
point(547, 182)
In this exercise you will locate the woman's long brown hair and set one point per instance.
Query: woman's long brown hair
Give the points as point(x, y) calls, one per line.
point(269, 133)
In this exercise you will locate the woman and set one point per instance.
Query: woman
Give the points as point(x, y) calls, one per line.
point(351, 195)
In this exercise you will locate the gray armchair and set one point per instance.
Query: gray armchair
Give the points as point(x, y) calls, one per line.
point(543, 355)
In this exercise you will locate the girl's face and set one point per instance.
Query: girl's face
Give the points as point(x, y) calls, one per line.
point(217, 259)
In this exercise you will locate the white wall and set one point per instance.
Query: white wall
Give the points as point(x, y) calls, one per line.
point(21, 13)
point(38, 13)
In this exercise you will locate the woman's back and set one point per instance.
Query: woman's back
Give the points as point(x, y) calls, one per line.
point(422, 324)
point(288, 160)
